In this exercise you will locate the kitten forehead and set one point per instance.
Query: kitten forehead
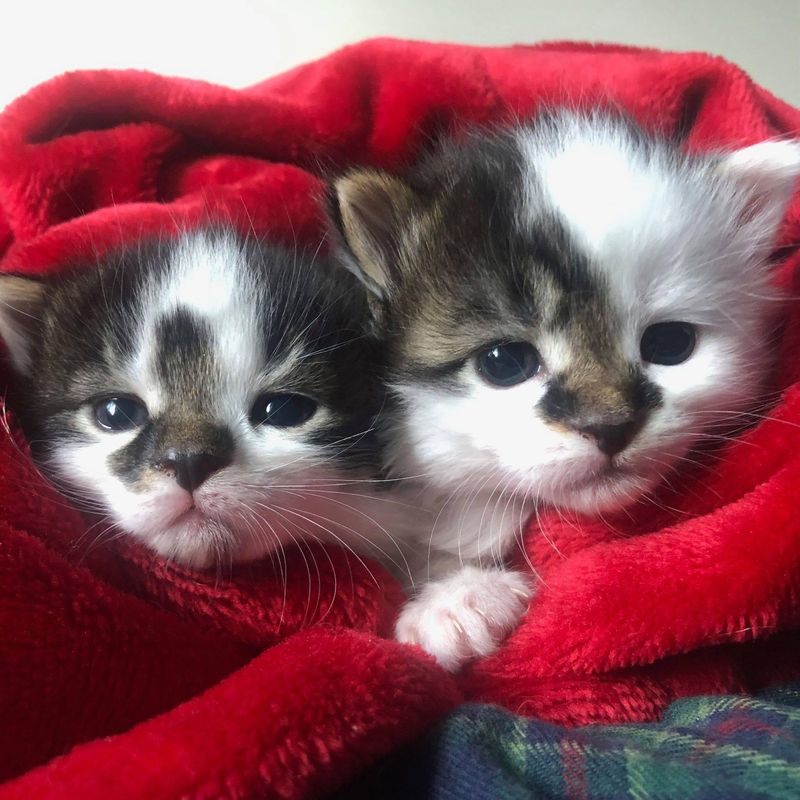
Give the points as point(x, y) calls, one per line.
point(597, 183)
point(661, 230)
point(207, 275)
point(622, 196)
point(199, 329)
point(208, 322)
point(211, 278)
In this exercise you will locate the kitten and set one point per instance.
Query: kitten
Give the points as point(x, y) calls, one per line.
point(214, 396)
point(569, 306)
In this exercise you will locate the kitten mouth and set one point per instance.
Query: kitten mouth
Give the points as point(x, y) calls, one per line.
point(603, 478)
point(609, 488)
point(192, 516)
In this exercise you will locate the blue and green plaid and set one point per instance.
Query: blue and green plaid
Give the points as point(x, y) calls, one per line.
point(726, 747)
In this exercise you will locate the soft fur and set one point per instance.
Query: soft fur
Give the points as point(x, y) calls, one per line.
point(574, 234)
point(701, 595)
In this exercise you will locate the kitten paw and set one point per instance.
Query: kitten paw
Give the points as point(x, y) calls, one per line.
point(464, 616)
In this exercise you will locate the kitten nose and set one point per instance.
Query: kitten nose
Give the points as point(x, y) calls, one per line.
point(612, 439)
point(192, 469)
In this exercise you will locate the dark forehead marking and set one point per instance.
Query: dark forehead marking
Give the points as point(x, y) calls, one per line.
point(500, 239)
point(183, 350)
point(494, 261)
point(550, 246)
point(470, 187)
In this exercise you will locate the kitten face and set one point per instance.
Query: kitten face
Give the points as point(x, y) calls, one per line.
point(571, 305)
point(194, 390)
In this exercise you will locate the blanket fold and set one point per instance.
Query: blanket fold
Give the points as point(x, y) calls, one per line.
point(124, 676)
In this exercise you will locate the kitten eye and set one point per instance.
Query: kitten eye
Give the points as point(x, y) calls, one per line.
point(120, 413)
point(668, 343)
point(282, 410)
point(508, 364)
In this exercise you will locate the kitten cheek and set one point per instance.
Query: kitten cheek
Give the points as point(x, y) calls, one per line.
point(84, 466)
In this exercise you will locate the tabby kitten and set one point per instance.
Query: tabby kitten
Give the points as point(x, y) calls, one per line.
point(215, 397)
point(570, 306)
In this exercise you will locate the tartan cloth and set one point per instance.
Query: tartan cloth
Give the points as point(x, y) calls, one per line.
point(723, 746)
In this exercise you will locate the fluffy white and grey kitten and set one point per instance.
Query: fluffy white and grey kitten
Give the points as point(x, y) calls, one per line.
point(570, 306)
point(212, 395)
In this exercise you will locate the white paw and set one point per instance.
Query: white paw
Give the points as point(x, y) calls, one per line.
point(465, 615)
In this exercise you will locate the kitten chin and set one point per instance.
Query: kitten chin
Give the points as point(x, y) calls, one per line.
point(211, 395)
point(571, 306)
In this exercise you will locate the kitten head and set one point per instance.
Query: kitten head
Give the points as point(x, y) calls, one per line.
point(570, 305)
point(193, 389)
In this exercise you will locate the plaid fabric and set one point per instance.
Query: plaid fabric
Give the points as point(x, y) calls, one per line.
point(725, 747)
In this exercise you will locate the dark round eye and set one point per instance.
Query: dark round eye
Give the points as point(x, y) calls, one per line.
point(508, 364)
point(668, 343)
point(282, 410)
point(120, 413)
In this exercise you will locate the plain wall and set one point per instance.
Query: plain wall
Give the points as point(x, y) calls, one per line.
point(238, 42)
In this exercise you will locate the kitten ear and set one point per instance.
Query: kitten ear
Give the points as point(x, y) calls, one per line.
point(21, 306)
point(766, 173)
point(369, 208)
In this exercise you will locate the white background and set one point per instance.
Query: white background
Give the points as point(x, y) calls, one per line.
point(238, 42)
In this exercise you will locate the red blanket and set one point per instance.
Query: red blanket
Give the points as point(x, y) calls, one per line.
point(156, 683)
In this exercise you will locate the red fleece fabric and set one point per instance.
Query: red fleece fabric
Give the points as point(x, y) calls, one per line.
point(124, 676)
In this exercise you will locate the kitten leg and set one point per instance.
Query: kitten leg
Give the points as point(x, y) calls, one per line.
point(465, 615)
